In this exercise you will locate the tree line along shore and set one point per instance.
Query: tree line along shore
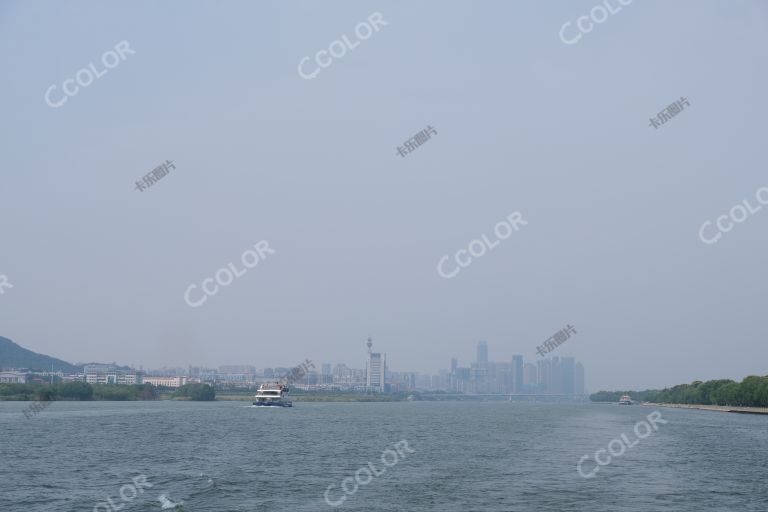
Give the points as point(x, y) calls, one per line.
point(82, 391)
point(750, 392)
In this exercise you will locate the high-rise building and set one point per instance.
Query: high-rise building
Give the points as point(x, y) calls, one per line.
point(517, 374)
point(409, 380)
point(441, 380)
point(326, 375)
point(578, 385)
point(461, 381)
point(529, 375)
point(567, 374)
point(555, 382)
point(478, 377)
point(482, 352)
point(544, 375)
point(560, 376)
point(376, 369)
point(500, 378)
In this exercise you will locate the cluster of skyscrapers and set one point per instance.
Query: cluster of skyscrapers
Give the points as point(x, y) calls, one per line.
point(551, 376)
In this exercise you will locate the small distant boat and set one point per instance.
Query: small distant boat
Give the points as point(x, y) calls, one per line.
point(625, 400)
point(272, 395)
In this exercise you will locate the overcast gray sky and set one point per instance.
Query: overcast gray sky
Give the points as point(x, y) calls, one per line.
point(559, 132)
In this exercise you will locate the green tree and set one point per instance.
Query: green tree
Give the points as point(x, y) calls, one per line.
point(750, 392)
point(761, 394)
point(726, 394)
point(147, 392)
point(75, 391)
point(46, 393)
point(197, 392)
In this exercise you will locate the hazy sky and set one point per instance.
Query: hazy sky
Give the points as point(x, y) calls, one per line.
point(524, 123)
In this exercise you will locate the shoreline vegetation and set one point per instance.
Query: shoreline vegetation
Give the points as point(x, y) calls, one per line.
point(749, 395)
point(720, 408)
point(81, 391)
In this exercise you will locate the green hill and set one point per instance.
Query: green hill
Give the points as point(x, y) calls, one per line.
point(14, 356)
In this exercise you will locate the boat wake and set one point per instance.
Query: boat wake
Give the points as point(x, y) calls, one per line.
point(166, 504)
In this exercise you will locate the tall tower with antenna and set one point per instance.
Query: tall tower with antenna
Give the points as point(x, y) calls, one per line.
point(375, 369)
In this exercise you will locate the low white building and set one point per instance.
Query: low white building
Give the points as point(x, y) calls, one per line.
point(167, 382)
point(13, 378)
point(98, 374)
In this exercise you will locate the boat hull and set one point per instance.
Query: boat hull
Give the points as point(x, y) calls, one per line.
point(272, 404)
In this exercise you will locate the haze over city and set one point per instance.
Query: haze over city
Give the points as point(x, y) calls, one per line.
point(613, 207)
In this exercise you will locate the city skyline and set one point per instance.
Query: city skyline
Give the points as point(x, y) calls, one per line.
point(550, 375)
point(475, 354)
point(216, 364)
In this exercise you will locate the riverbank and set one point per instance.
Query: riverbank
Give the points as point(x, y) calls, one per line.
point(721, 408)
point(82, 391)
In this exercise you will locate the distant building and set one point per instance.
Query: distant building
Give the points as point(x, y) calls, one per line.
point(326, 374)
point(169, 371)
point(501, 378)
point(529, 375)
point(517, 374)
point(45, 377)
point(13, 378)
point(578, 379)
point(237, 375)
point(376, 369)
point(482, 352)
point(345, 377)
point(167, 381)
point(201, 373)
point(234, 375)
point(544, 375)
point(567, 375)
point(441, 383)
point(408, 379)
point(460, 384)
point(108, 374)
point(423, 382)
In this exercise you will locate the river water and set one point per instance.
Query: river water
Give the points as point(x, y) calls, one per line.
point(457, 456)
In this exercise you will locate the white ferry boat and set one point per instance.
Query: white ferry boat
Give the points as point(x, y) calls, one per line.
point(272, 395)
point(625, 400)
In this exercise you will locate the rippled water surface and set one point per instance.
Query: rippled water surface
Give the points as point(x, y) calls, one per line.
point(483, 456)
